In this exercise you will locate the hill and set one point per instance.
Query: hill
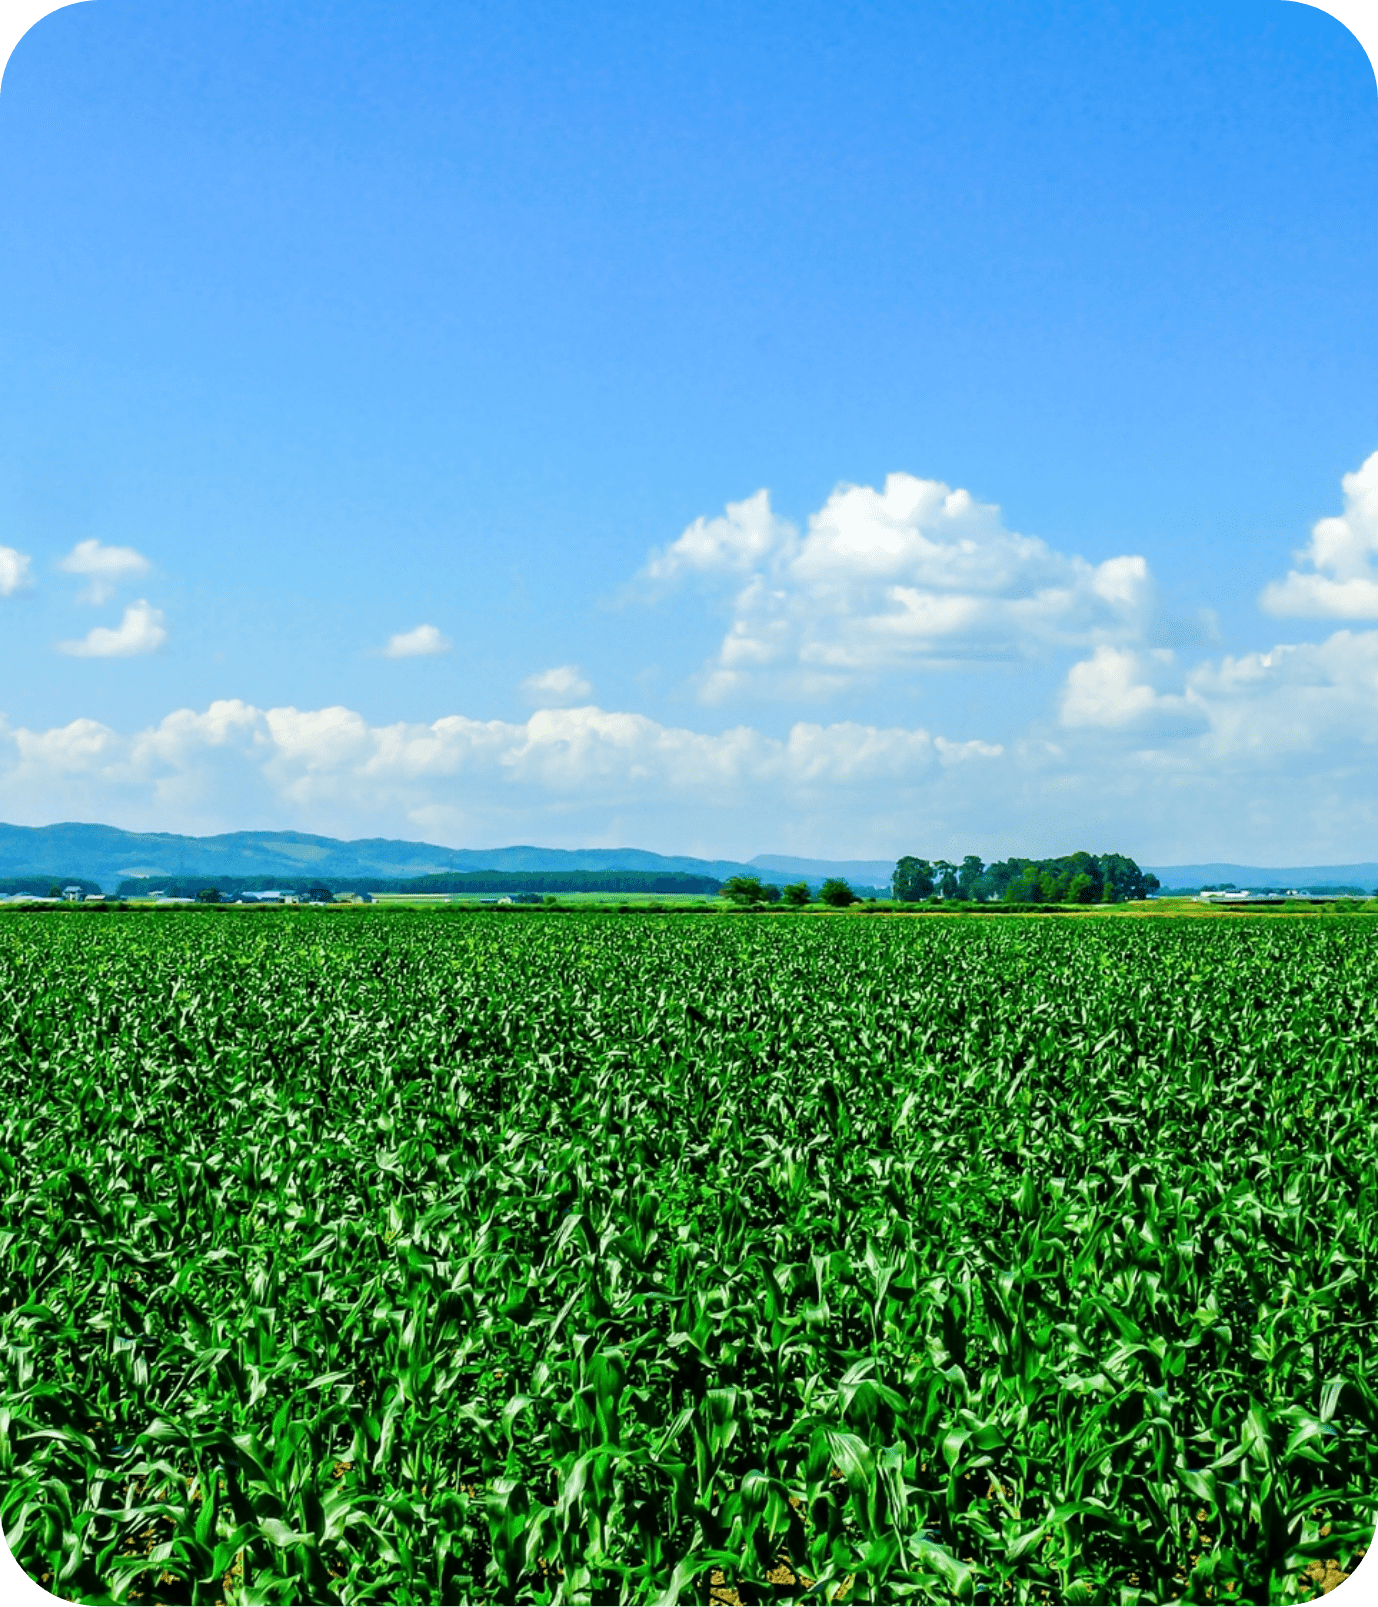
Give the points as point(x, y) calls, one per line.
point(1364, 875)
point(108, 856)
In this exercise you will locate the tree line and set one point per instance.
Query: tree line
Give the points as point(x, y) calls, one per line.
point(461, 882)
point(1073, 879)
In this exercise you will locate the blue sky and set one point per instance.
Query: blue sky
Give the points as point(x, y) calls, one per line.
point(835, 430)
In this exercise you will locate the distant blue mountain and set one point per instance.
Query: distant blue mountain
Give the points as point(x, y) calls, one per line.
point(861, 872)
point(1364, 875)
point(105, 854)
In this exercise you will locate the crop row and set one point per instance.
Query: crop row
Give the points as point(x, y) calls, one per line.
point(424, 1259)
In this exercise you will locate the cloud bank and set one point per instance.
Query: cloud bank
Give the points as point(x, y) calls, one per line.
point(458, 774)
point(1144, 754)
point(1141, 749)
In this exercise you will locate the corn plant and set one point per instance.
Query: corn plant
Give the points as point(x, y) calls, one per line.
point(397, 1257)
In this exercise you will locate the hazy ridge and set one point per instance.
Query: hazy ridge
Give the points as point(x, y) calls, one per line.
point(105, 854)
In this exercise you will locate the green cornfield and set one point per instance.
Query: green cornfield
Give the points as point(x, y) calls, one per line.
point(365, 1256)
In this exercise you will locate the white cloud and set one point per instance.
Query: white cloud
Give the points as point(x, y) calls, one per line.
point(140, 631)
point(1342, 581)
point(1115, 689)
point(421, 642)
point(1262, 758)
point(746, 535)
point(14, 571)
point(1257, 712)
point(564, 771)
point(913, 574)
point(1318, 699)
point(105, 568)
point(564, 684)
point(74, 749)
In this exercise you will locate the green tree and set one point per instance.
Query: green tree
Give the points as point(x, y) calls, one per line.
point(1123, 875)
point(837, 893)
point(969, 874)
point(945, 878)
point(749, 890)
point(912, 880)
point(208, 895)
point(1025, 887)
point(797, 894)
point(1082, 890)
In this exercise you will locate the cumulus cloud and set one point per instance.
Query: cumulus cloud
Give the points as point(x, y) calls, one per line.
point(104, 567)
point(1315, 699)
point(330, 765)
point(1256, 711)
point(748, 534)
point(81, 747)
point(421, 642)
point(914, 573)
point(140, 631)
point(564, 684)
point(14, 571)
point(1341, 581)
point(1115, 689)
point(1240, 757)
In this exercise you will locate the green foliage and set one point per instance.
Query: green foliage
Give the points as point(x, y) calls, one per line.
point(749, 890)
point(208, 895)
point(797, 894)
point(912, 880)
point(420, 1258)
point(836, 892)
point(1111, 877)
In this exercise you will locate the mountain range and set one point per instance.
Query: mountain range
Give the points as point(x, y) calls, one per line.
point(1364, 875)
point(106, 854)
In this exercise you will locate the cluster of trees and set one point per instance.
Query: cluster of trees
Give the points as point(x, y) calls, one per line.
point(752, 890)
point(1073, 879)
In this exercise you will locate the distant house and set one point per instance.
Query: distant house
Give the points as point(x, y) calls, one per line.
point(72, 895)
